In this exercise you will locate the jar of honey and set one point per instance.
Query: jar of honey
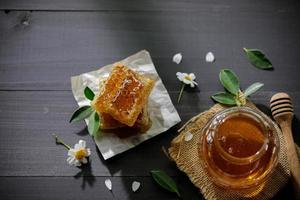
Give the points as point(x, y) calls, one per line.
point(239, 148)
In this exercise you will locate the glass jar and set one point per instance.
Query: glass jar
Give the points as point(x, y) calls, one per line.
point(239, 148)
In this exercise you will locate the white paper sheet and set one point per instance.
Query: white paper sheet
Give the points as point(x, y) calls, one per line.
point(162, 112)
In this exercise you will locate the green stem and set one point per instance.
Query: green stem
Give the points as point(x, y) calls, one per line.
point(59, 141)
point(180, 93)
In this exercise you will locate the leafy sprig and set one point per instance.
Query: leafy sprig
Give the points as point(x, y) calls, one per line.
point(233, 94)
point(89, 112)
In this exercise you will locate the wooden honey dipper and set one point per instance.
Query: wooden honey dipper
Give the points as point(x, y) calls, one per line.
point(282, 111)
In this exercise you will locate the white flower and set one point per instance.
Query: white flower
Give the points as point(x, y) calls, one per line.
point(209, 57)
point(177, 58)
point(187, 78)
point(78, 154)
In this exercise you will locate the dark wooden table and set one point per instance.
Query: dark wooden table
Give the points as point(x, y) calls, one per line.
point(44, 43)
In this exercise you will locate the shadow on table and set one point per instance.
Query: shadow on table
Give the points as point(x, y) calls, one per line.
point(83, 132)
point(86, 175)
point(136, 164)
point(286, 192)
point(296, 130)
point(264, 109)
point(138, 159)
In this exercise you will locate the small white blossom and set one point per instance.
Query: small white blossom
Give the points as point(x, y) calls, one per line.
point(108, 184)
point(209, 57)
point(177, 58)
point(78, 154)
point(135, 186)
point(187, 78)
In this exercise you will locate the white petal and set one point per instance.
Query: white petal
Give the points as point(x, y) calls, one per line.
point(184, 74)
point(192, 84)
point(77, 147)
point(192, 76)
point(186, 81)
point(82, 143)
point(177, 58)
point(180, 76)
point(209, 57)
point(83, 160)
point(71, 160)
point(135, 186)
point(71, 152)
point(188, 136)
point(195, 83)
point(88, 152)
point(108, 184)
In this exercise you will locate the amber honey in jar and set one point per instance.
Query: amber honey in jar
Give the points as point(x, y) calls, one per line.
point(239, 148)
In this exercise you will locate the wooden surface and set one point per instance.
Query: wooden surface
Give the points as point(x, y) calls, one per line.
point(44, 43)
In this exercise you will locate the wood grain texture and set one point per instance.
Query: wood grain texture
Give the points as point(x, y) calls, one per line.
point(56, 45)
point(28, 119)
point(41, 50)
point(144, 5)
point(91, 187)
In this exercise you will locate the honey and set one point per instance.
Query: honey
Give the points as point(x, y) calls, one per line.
point(239, 148)
point(123, 96)
point(126, 95)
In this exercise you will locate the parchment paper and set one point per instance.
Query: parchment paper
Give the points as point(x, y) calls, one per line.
point(161, 110)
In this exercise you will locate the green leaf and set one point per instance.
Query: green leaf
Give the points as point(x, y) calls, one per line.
point(81, 113)
point(258, 59)
point(94, 123)
point(230, 81)
point(224, 98)
point(253, 88)
point(165, 181)
point(89, 94)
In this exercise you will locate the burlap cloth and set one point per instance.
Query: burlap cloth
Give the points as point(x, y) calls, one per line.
point(185, 154)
